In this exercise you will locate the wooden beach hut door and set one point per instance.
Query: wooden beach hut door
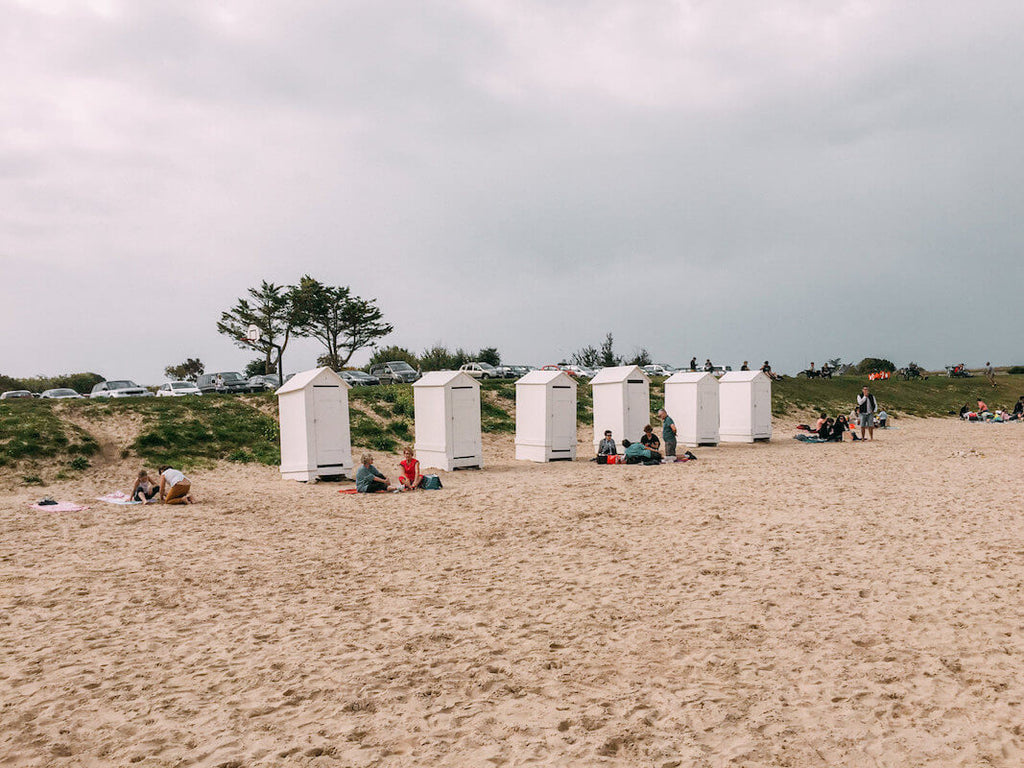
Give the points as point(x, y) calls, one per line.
point(465, 413)
point(707, 411)
point(328, 417)
point(563, 420)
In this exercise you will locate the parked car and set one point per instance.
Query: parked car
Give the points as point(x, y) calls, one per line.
point(395, 372)
point(223, 381)
point(481, 371)
point(264, 382)
point(518, 371)
point(658, 370)
point(16, 394)
point(177, 389)
point(359, 378)
point(562, 368)
point(119, 388)
point(61, 394)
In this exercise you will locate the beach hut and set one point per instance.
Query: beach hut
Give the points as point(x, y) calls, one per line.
point(546, 416)
point(447, 405)
point(315, 437)
point(691, 399)
point(622, 402)
point(745, 407)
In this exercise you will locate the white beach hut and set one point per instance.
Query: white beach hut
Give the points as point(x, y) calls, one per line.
point(546, 416)
point(447, 407)
point(745, 407)
point(315, 436)
point(691, 399)
point(622, 402)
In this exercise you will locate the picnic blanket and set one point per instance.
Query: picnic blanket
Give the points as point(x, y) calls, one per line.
point(117, 497)
point(60, 506)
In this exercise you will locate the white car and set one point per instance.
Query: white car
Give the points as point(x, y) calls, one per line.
point(481, 371)
point(177, 389)
point(61, 394)
point(119, 388)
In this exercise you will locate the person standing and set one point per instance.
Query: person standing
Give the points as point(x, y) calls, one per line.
point(990, 374)
point(693, 363)
point(668, 433)
point(745, 366)
point(866, 407)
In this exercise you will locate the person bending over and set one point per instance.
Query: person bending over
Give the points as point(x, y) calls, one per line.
point(649, 439)
point(369, 479)
point(636, 453)
point(175, 488)
point(668, 433)
point(410, 479)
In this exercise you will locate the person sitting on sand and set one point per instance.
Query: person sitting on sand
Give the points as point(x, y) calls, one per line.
point(766, 369)
point(982, 409)
point(174, 486)
point(817, 425)
point(410, 479)
point(840, 426)
point(144, 489)
point(607, 446)
point(649, 439)
point(1018, 409)
point(637, 453)
point(369, 479)
point(883, 418)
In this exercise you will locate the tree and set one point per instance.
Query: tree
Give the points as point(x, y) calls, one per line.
point(342, 322)
point(588, 357)
point(608, 358)
point(272, 311)
point(437, 358)
point(392, 353)
point(875, 365)
point(258, 367)
point(489, 355)
point(190, 370)
point(641, 357)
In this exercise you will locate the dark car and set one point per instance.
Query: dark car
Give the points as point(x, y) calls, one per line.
point(396, 372)
point(223, 381)
point(264, 382)
point(359, 378)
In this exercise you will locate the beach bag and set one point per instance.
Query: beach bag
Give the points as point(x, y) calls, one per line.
point(612, 459)
point(602, 459)
point(431, 483)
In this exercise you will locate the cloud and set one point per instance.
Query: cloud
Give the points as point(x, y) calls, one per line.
point(743, 180)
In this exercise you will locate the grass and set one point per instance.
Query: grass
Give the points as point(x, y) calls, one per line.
point(185, 432)
point(31, 429)
point(935, 396)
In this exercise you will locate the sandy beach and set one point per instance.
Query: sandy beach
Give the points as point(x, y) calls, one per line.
point(775, 604)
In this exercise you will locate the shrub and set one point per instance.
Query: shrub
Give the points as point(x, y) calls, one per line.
point(32, 480)
point(79, 463)
point(1015, 370)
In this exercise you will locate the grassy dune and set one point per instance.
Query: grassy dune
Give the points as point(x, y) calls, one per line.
point(49, 438)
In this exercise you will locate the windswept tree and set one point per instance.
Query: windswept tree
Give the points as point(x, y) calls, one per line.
point(608, 358)
point(393, 353)
point(270, 309)
point(190, 370)
point(489, 355)
point(588, 357)
point(342, 322)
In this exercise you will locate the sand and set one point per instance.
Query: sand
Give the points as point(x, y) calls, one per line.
point(768, 605)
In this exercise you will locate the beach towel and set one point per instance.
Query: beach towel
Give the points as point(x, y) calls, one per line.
point(60, 506)
point(807, 439)
point(348, 490)
point(119, 497)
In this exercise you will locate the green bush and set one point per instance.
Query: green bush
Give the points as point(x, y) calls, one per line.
point(1015, 370)
point(79, 463)
point(32, 480)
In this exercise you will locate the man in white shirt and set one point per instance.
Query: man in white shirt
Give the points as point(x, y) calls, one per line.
point(866, 407)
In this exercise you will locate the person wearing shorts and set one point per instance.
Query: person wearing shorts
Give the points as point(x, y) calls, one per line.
point(866, 407)
point(175, 488)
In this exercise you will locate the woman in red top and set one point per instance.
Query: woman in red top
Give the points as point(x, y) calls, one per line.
point(410, 478)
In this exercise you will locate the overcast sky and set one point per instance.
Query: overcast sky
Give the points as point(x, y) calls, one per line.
point(740, 180)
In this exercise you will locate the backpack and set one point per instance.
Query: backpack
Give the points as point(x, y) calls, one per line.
point(431, 483)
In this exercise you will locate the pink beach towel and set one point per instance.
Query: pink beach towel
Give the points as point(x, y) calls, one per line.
point(60, 506)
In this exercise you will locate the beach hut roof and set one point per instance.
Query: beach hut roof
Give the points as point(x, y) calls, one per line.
point(619, 373)
point(442, 378)
point(741, 376)
point(544, 377)
point(303, 379)
point(688, 377)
